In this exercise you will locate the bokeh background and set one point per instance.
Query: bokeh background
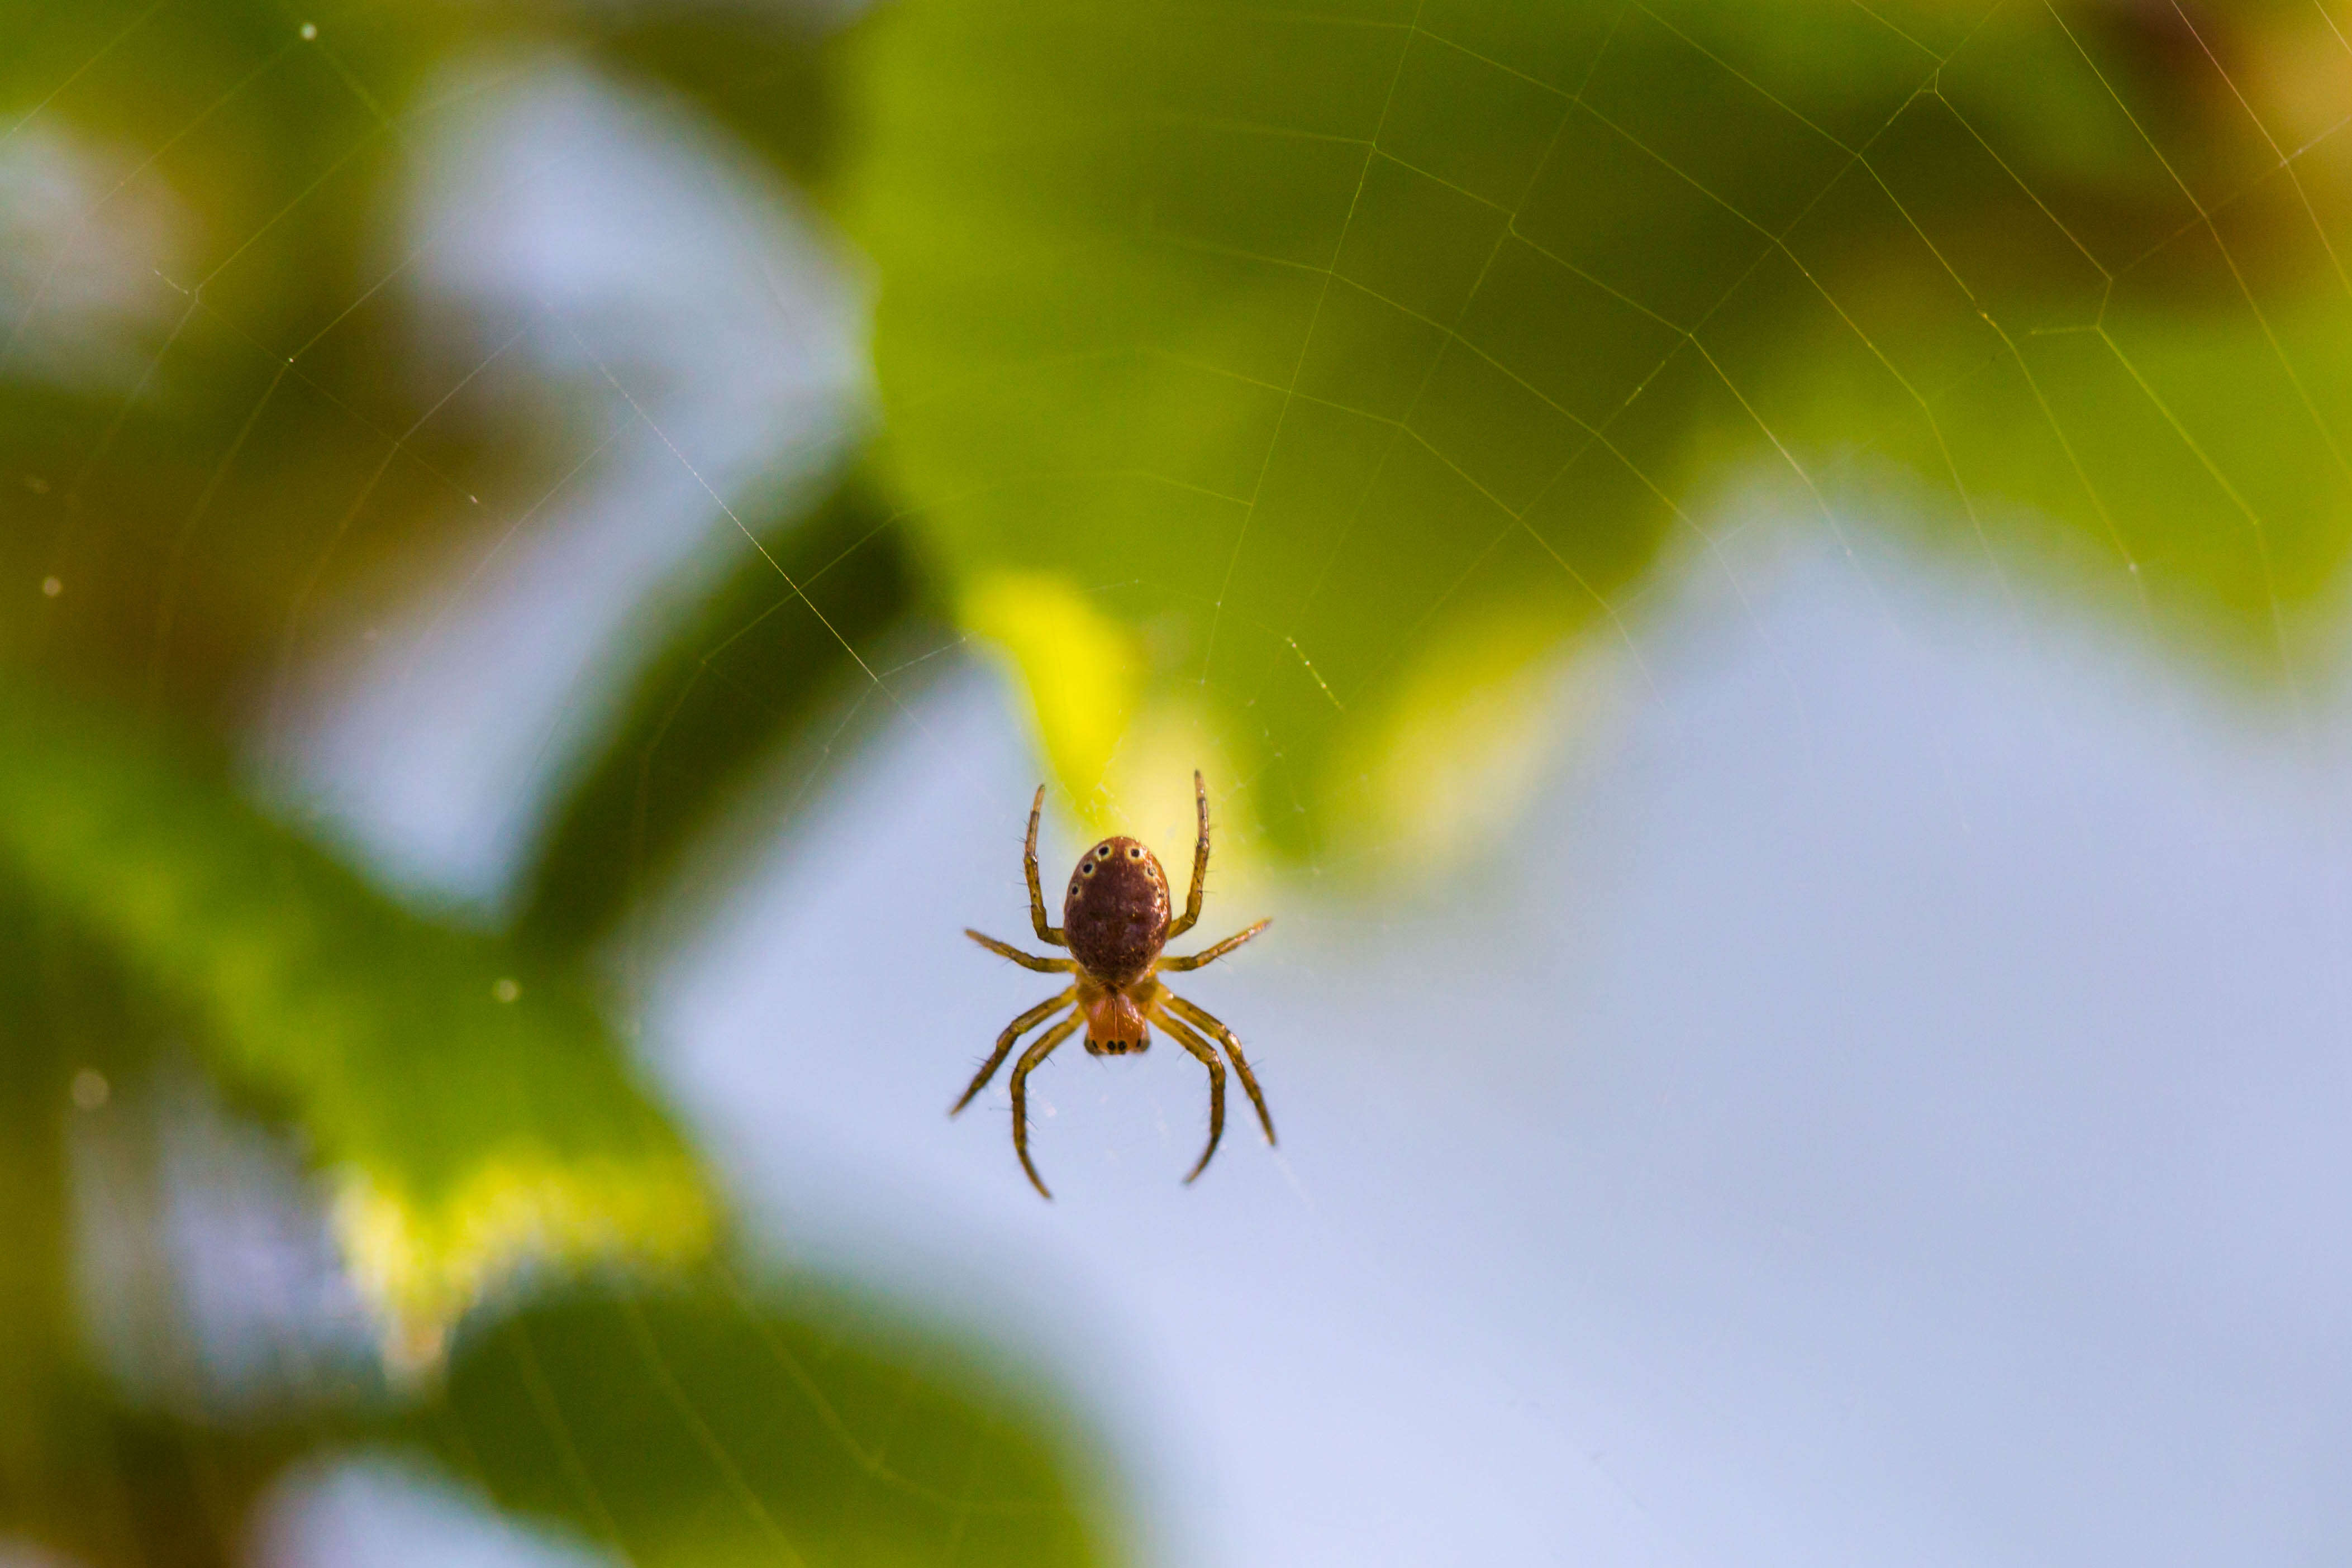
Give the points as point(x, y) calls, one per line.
point(1760, 588)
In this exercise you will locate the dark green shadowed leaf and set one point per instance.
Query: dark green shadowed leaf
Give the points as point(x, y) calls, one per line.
point(104, 1485)
point(44, 1431)
point(82, 1473)
point(779, 642)
point(761, 72)
point(714, 1428)
point(475, 1114)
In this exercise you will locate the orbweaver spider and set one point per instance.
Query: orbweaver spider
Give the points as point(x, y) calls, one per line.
point(1115, 922)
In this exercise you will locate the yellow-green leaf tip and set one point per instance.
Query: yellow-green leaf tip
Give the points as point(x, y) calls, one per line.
point(421, 1265)
point(1083, 670)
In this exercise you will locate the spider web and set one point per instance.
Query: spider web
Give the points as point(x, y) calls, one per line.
point(1258, 645)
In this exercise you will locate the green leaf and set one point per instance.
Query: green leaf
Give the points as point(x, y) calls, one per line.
point(790, 634)
point(761, 73)
point(208, 474)
point(1345, 364)
point(712, 1426)
point(82, 1472)
point(475, 1115)
point(40, 1437)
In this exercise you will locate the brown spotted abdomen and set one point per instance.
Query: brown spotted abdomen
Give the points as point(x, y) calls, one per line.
point(1115, 916)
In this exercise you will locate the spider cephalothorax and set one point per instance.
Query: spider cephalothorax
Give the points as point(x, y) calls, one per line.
point(1115, 923)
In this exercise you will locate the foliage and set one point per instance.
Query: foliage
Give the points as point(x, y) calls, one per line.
point(711, 1427)
point(474, 1112)
point(217, 490)
point(761, 663)
point(1312, 345)
point(1280, 390)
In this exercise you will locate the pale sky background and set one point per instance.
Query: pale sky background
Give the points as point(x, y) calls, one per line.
point(1887, 1102)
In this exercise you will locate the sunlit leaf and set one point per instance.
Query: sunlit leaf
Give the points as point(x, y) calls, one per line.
point(476, 1116)
point(1310, 347)
point(1084, 671)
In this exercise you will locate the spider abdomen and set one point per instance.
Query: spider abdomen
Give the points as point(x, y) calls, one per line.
point(1115, 916)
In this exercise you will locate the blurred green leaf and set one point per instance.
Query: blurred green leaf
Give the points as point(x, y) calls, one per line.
point(699, 1421)
point(695, 1425)
point(1306, 349)
point(79, 1471)
point(227, 434)
point(37, 1449)
point(778, 643)
point(108, 1485)
point(477, 1116)
point(220, 477)
point(762, 73)
point(711, 1427)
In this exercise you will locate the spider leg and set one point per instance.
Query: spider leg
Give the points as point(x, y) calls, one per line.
point(1208, 1021)
point(1211, 955)
point(1039, 1049)
point(1049, 935)
point(1201, 1048)
point(1191, 915)
point(1026, 960)
point(1013, 1032)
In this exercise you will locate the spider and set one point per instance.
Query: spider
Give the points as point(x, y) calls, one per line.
point(1115, 920)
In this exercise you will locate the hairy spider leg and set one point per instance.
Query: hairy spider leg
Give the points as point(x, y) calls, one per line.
point(1026, 960)
point(1042, 1047)
point(1208, 1021)
point(1049, 935)
point(1211, 955)
point(1013, 1031)
point(1191, 915)
point(1201, 1048)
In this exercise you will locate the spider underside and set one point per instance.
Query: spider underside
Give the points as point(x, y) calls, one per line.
point(1115, 922)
